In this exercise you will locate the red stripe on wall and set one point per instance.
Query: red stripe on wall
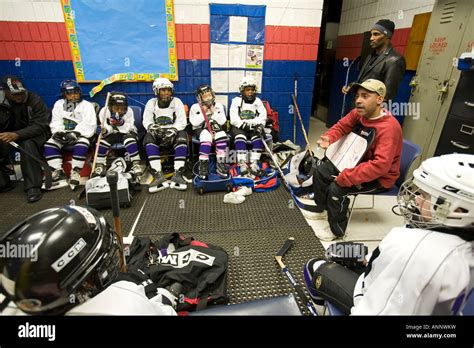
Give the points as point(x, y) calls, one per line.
point(349, 46)
point(33, 41)
point(291, 43)
point(192, 41)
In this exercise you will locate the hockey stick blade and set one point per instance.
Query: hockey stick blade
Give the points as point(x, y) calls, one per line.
point(48, 175)
point(288, 243)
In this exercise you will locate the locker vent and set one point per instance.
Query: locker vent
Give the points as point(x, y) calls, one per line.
point(448, 12)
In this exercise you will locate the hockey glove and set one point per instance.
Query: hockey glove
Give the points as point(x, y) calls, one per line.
point(169, 137)
point(215, 126)
point(156, 131)
point(349, 254)
point(246, 127)
point(259, 130)
point(59, 136)
point(71, 137)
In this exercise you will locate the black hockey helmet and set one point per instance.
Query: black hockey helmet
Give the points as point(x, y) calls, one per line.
point(119, 102)
point(63, 256)
point(203, 97)
point(70, 88)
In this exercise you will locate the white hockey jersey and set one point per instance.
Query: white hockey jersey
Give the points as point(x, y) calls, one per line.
point(417, 272)
point(82, 119)
point(171, 117)
point(127, 126)
point(120, 298)
point(253, 114)
point(216, 113)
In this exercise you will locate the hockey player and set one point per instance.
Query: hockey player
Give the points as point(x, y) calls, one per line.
point(74, 122)
point(71, 266)
point(118, 127)
point(247, 118)
point(209, 120)
point(164, 119)
point(424, 268)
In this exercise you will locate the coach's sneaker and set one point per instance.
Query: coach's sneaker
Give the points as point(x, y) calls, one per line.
point(325, 234)
point(221, 169)
point(203, 169)
point(99, 170)
point(159, 181)
point(75, 178)
point(314, 216)
point(59, 179)
point(178, 182)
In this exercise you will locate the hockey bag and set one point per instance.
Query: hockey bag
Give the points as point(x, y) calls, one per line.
point(267, 182)
point(98, 192)
point(201, 269)
point(213, 182)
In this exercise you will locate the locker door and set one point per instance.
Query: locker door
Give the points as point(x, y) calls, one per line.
point(436, 77)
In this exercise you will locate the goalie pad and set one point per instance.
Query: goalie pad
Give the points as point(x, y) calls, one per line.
point(334, 283)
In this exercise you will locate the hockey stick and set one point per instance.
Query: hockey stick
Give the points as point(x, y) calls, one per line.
point(48, 176)
point(311, 208)
point(97, 145)
point(299, 289)
point(294, 114)
point(99, 138)
point(112, 179)
point(347, 81)
point(308, 147)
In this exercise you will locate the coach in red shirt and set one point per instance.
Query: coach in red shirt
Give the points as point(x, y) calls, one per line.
point(378, 170)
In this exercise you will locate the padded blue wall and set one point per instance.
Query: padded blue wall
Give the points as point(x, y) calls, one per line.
point(44, 77)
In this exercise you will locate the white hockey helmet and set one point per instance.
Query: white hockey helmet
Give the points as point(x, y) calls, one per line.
point(444, 188)
point(162, 82)
point(247, 81)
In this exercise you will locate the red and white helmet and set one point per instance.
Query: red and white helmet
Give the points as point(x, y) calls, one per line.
point(444, 187)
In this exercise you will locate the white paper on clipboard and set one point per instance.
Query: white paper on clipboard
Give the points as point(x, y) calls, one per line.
point(347, 152)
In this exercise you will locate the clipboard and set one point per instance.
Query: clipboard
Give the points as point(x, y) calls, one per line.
point(349, 150)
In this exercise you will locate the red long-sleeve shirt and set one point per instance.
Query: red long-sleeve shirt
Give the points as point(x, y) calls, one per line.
point(382, 160)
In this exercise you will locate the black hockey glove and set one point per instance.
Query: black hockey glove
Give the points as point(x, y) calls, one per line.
point(169, 137)
point(259, 130)
point(246, 127)
point(349, 254)
point(156, 131)
point(59, 136)
point(71, 137)
point(215, 126)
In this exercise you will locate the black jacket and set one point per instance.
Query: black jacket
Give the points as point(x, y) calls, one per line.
point(389, 67)
point(30, 119)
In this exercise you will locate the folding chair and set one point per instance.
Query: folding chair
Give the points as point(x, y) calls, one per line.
point(410, 152)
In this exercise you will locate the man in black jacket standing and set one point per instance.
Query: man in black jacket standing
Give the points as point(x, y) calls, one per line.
point(384, 64)
point(24, 119)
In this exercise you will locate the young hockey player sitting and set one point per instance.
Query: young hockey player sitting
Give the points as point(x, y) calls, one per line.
point(165, 120)
point(73, 123)
point(247, 118)
point(208, 120)
point(424, 268)
point(118, 127)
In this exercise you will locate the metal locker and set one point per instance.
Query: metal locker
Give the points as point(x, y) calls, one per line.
point(449, 34)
